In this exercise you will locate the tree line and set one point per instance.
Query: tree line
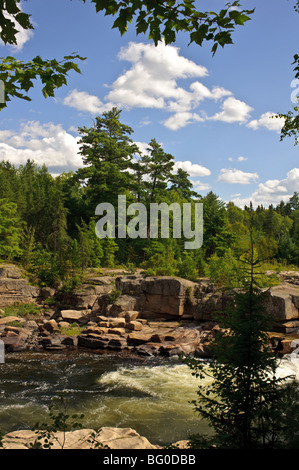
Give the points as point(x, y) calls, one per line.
point(48, 223)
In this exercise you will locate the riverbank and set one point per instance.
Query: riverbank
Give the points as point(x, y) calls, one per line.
point(131, 314)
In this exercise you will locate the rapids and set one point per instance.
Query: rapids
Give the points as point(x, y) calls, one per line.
point(151, 396)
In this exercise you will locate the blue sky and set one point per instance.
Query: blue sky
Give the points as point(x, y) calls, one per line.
point(211, 113)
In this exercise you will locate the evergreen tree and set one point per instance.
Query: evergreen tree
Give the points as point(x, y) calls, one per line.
point(10, 230)
point(107, 151)
point(245, 401)
point(158, 166)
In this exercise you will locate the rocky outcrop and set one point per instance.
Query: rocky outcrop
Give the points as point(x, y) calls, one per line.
point(14, 287)
point(156, 296)
point(146, 315)
point(107, 437)
point(147, 338)
point(282, 302)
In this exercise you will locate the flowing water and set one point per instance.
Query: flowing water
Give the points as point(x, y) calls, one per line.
point(151, 396)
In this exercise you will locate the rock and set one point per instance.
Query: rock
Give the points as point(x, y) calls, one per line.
point(114, 438)
point(50, 325)
point(11, 319)
point(124, 304)
point(14, 287)
point(31, 324)
point(46, 292)
point(117, 322)
point(148, 349)
point(282, 302)
point(64, 324)
point(117, 331)
point(289, 346)
point(157, 295)
point(131, 315)
point(52, 343)
point(99, 342)
point(14, 342)
point(136, 339)
point(287, 327)
point(70, 341)
point(134, 325)
point(211, 303)
point(117, 344)
point(72, 316)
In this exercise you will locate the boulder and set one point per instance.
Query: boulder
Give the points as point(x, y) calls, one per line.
point(15, 342)
point(123, 304)
point(113, 438)
point(93, 342)
point(163, 295)
point(50, 325)
point(131, 315)
point(14, 287)
point(117, 322)
point(282, 302)
point(11, 319)
point(134, 325)
point(73, 316)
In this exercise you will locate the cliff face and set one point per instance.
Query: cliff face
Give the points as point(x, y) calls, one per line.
point(145, 315)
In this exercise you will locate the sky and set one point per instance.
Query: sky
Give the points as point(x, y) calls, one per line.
point(212, 113)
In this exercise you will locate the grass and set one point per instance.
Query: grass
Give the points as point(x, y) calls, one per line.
point(72, 330)
point(22, 310)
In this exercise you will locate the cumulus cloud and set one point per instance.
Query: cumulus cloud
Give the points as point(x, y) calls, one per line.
point(83, 101)
point(268, 120)
point(179, 120)
point(47, 144)
point(153, 80)
point(234, 176)
point(233, 110)
point(272, 191)
point(193, 169)
point(199, 186)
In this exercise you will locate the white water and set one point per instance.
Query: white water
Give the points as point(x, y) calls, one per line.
point(153, 398)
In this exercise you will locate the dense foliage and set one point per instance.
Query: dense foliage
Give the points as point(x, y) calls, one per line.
point(48, 223)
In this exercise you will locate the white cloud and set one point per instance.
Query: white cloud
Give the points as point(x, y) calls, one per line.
point(268, 120)
point(234, 176)
point(179, 120)
point(151, 82)
point(47, 144)
point(193, 169)
point(233, 110)
point(83, 101)
point(239, 159)
point(272, 191)
point(199, 186)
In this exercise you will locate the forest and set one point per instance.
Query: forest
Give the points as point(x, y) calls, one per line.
point(47, 223)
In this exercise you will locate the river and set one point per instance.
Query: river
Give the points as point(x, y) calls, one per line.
point(151, 396)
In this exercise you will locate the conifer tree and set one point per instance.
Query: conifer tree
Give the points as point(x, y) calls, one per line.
point(245, 400)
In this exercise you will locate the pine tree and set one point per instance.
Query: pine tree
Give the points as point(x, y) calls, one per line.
point(107, 151)
point(245, 403)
